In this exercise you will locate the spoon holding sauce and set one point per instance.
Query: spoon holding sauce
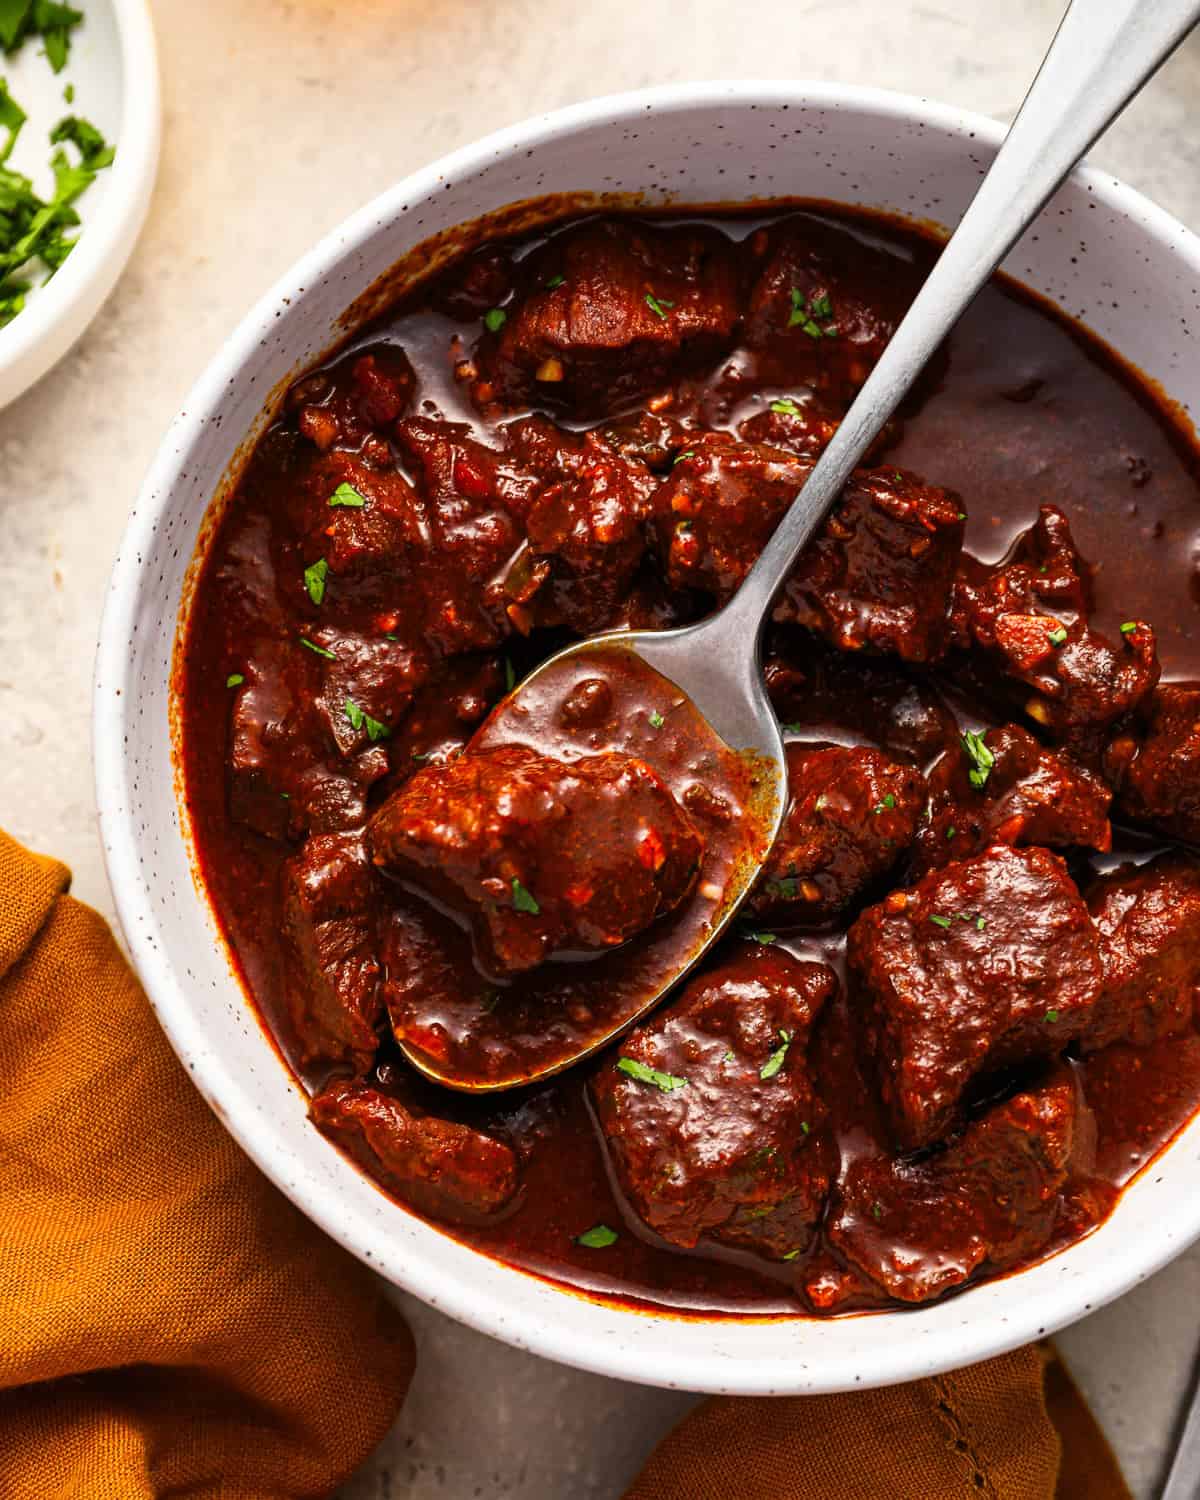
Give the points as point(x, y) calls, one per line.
point(691, 703)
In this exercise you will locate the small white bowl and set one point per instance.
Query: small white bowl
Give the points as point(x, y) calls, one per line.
point(113, 67)
point(696, 143)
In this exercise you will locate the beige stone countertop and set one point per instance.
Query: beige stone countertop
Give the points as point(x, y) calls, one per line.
point(282, 116)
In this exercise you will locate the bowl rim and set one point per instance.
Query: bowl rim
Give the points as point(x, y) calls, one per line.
point(893, 1359)
point(39, 337)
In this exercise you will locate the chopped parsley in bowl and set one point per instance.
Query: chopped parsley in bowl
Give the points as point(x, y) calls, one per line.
point(38, 232)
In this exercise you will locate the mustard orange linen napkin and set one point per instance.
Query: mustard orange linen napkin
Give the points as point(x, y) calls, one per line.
point(1013, 1428)
point(169, 1324)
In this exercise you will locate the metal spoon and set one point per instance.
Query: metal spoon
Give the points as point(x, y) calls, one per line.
point(1103, 53)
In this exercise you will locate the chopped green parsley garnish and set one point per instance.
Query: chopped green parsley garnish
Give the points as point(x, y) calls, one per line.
point(950, 832)
point(1052, 1015)
point(886, 805)
point(729, 1057)
point(314, 580)
point(1129, 627)
point(941, 921)
point(359, 719)
point(555, 281)
point(877, 1211)
point(21, 19)
point(679, 457)
point(599, 1237)
point(982, 757)
point(792, 728)
point(318, 650)
point(806, 1127)
point(348, 496)
point(792, 1254)
point(981, 923)
point(786, 407)
point(656, 719)
point(523, 900)
point(495, 319)
point(776, 1059)
point(34, 231)
point(658, 305)
point(804, 315)
point(642, 1073)
point(761, 937)
point(235, 679)
point(783, 889)
point(1058, 635)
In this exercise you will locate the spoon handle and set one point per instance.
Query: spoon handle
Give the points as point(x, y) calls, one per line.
point(1103, 53)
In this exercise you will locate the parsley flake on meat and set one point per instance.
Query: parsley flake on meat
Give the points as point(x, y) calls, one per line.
point(983, 759)
point(523, 900)
point(640, 1072)
point(777, 1058)
point(314, 580)
point(347, 495)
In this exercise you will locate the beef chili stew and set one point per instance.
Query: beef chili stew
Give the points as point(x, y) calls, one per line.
point(958, 1012)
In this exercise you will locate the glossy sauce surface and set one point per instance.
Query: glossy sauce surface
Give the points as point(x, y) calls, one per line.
point(1023, 409)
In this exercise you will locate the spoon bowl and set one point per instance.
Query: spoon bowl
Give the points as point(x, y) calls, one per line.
point(567, 1010)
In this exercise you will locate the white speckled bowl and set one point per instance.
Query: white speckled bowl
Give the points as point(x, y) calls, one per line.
point(696, 143)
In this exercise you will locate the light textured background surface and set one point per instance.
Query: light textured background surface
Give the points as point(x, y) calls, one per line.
point(282, 117)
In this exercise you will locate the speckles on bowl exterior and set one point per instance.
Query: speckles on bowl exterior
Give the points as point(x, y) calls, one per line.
point(700, 143)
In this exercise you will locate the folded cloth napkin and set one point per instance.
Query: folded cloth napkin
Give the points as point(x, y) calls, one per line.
point(170, 1325)
point(1013, 1428)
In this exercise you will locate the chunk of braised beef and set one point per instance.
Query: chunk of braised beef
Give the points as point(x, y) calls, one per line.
point(1159, 772)
point(716, 510)
point(852, 814)
point(368, 684)
point(917, 1228)
point(1072, 681)
point(814, 688)
point(1043, 572)
point(879, 573)
point(709, 1110)
point(1010, 790)
point(474, 284)
point(286, 773)
point(1148, 917)
point(651, 604)
point(988, 962)
point(609, 311)
point(441, 1167)
point(542, 855)
point(587, 536)
point(1026, 618)
point(804, 428)
point(806, 322)
point(651, 437)
point(359, 395)
point(446, 712)
point(331, 969)
point(474, 500)
point(364, 527)
point(538, 446)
